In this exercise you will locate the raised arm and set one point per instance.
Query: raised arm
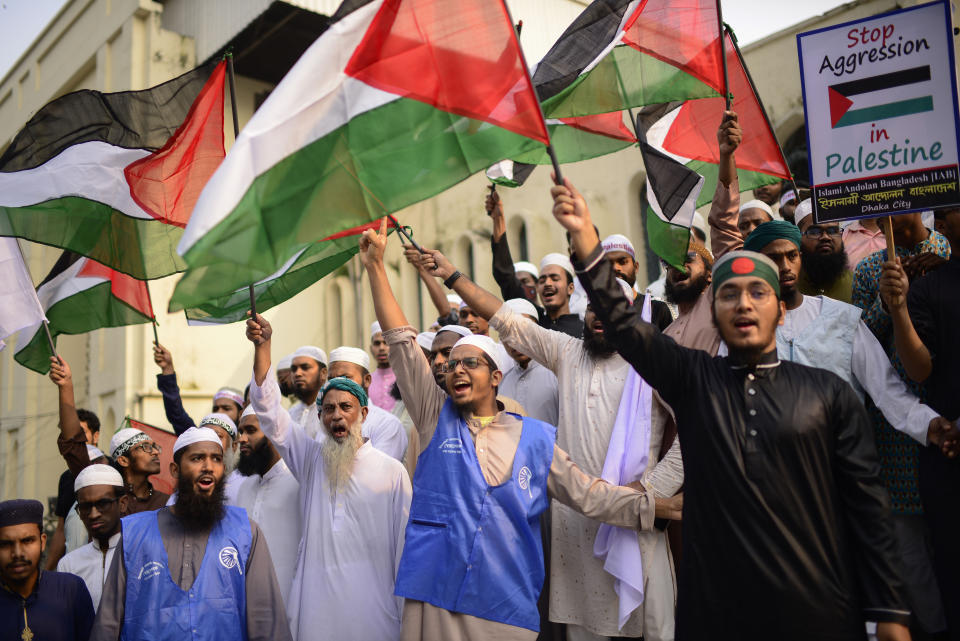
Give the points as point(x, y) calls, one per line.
point(167, 384)
point(385, 305)
point(503, 272)
point(725, 208)
point(71, 442)
point(480, 300)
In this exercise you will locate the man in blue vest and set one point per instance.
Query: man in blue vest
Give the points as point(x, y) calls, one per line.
point(198, 569)
point(472, 564)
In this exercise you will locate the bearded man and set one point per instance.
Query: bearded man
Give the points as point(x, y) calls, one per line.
point(823, 257)
point(355, 500)
point(196, 569)
point(271, 496)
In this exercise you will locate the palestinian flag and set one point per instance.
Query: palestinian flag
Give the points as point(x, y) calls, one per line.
point(619, 54)
point(80, 295)
point(687, 133)
point(115, 176)
point(395, 102)
point(305, 268)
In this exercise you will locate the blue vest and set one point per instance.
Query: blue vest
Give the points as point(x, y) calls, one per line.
point(213, 609)
point(827, 342)
point(471, 547)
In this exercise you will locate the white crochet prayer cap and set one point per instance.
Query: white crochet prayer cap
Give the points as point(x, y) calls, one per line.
point(220, 420)
point(456, 329)
point(310, 351)
point(557, 259)
point(196, 435)
point(285, 362)
point(485, 344)
point(757, 204)
point(121, 439)
point(351, 355)
point(524, 266)
point(375, 329)
point(97, 474)
point(618, 243)
point(804, 209)
point(425, 339)
point(522, 306)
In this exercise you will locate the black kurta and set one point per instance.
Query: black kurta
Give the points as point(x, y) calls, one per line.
point(786, 524)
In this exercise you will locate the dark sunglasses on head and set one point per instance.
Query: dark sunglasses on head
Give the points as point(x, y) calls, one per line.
point(83, 509)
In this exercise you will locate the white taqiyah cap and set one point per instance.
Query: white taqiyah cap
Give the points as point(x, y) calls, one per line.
point(485, 344)
point(456, 329)
point(453, 298)
point(559, 260)
point(310, 351)
point(285, 362)
point(124, 439)
point(196, 435)
point(248, 411)
point(220, 420)
point(804, 209)
point(523, 306)
point(618, 243)
point(524, 266)
point(230, 394)
point(97, 474)
point(375, 329)
point(425, 339)
point(351, 355)
point(757, 204)
point(93, 452)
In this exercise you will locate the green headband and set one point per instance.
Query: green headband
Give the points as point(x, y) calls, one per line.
point(746, 263)
point(767, 232)
point(345, 384)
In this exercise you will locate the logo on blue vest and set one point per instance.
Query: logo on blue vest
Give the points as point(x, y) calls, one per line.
point(451, 445)
point(524, 476)
point(230, 558)
point(150, 570)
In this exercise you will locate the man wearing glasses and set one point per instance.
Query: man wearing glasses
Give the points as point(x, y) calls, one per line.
point(100, 495)
point(133, 452)
point(824, 259)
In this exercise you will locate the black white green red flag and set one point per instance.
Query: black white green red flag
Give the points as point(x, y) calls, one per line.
point(395, 102)
point(80, 295)
point(114, 176)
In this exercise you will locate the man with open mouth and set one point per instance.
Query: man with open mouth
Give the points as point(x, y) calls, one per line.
point(354, 500)
point(472, 566)
point(196, 569)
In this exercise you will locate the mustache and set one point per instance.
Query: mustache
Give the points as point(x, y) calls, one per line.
point(196, 511)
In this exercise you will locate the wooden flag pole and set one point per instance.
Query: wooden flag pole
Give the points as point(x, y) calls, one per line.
point(723, 56)
point(888, 233)
point(236, 132)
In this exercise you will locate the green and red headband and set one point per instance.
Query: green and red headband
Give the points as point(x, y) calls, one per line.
point(746, 263)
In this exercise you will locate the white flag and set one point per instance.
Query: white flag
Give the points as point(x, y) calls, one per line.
point(19, 306)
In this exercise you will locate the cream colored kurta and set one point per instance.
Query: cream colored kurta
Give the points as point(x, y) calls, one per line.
point(581, 591)
point(495, 445)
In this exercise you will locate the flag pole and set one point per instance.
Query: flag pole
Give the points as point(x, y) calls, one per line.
point(723, 57)
point(236, 133)
point(153, 321)
point(403, 232)
point(753, 87)
point(550, 152)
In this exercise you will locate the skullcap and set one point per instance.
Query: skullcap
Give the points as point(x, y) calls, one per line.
point(425, 339)
point(220, 420)
point(375, 329)
point(196, 435)
point(557, 259)
point(310, 351)
point(93, 452)
point(248, 411)
point(485, 344)
point(285, 362)
point(97, 474)
point(804, 209)
point(618, 243)
point(20, 511)
point(453, 298)
point(456, 329)
point(523, 306)
point(757, 204)
point(124, 439)
point(351, 355)
point(230, 394)
point(524, 266)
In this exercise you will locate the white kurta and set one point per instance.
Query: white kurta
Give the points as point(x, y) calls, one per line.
point(90, 563)
point(306, 417)
point(352, 539)
point(273, 501)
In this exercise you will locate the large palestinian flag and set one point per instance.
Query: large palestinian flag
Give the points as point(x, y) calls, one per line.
point(115, 176)
point(80, 295)
point(395, 102)
point(687, 133)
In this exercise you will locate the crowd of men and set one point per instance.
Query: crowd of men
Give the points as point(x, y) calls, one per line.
point(444, 485)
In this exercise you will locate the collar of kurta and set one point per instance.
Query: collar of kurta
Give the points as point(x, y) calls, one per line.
point(766, 361)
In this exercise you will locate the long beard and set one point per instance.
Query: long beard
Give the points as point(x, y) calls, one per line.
point(196, 511)
point(338, 456)
point(687, 292)
point(823, 269)
point(257, 461)
point(597, 345)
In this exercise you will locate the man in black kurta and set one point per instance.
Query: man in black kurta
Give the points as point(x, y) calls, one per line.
point(787, 533)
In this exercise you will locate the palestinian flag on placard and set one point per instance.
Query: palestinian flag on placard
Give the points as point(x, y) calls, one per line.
point(305, 268)
point(687, 133)
point(395, 102)
point(619, 54)
point(80, 295)
point(115, 176)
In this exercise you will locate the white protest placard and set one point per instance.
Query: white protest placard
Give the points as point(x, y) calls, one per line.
point(880, 101)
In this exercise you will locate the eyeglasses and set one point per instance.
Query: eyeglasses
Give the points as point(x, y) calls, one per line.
point(730, 296)
point(149, 448)
point(83, 509)
point(470, 362)
point(816, 231)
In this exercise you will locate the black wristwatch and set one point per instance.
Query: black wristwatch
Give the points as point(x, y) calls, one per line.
point(453, 278)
